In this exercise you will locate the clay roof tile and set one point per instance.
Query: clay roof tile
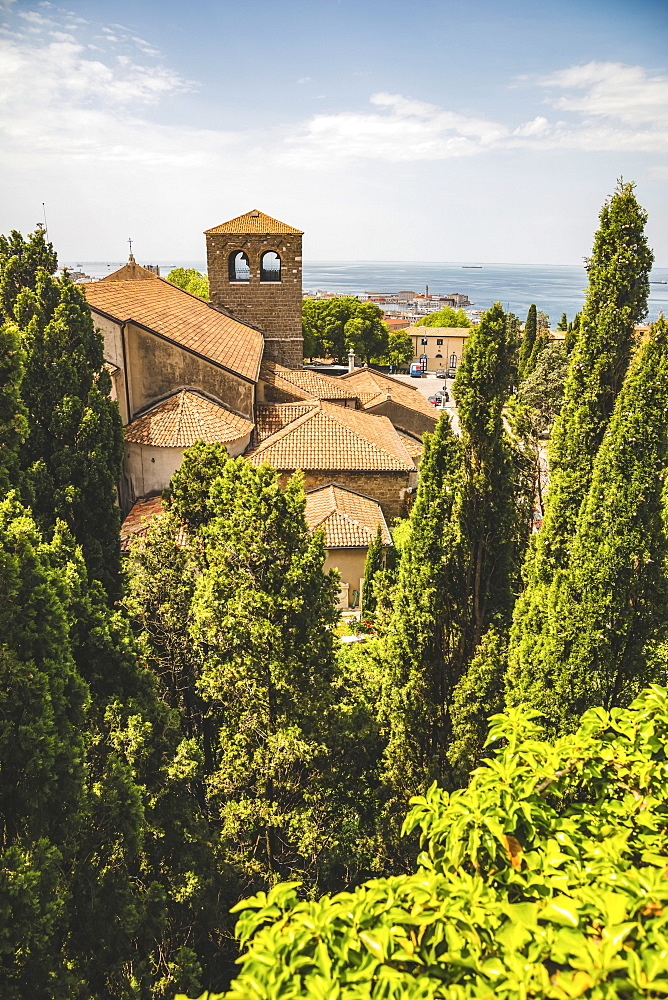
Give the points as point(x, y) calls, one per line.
point(186, 417)
point(183, 318)
point(254, 222)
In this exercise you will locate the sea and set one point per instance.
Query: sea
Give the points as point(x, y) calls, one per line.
point(555, 289)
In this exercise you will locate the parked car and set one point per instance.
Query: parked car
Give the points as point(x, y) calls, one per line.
point(416, 370)
point(439, 398)
point(441, 374)
point(452, 372)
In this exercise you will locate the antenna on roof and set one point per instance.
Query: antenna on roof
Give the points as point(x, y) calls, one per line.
point(46, 228)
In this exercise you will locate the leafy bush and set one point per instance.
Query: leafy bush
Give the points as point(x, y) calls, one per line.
point(545, 878)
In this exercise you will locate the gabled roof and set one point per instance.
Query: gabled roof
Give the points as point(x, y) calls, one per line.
point(349, 519)
point(304, 383)
point(373, 388)
point(137, 522)
point(329, 436)
point(184, 319)
point(132, 271)
point(272, 417)
point(412, 446)
point(186, 417)
point(254, 222)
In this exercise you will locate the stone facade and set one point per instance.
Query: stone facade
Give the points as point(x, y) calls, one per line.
point(389, 489)
point(274, 307)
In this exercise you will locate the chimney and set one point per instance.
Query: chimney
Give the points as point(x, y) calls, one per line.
point(388, 395)
point(351, 360)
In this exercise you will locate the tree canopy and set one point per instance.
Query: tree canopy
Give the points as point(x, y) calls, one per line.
point(445, 317)
point(190, 280)
point(333, 327)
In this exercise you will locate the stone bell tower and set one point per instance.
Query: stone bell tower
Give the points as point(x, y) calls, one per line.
point(255, 275)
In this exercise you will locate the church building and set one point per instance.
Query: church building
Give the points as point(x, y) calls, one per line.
point(231, 370)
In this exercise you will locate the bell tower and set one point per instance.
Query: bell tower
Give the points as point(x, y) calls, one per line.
point(255, 275)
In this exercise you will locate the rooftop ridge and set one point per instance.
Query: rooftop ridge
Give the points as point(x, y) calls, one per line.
point(254, 222)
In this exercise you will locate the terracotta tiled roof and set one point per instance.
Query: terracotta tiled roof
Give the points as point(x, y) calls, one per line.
point(308, 383)
point(272, 417)
point(183, 318)
point(328, 436)
point(132, 271)
point(413, 447)
point(368, 381)
point(349, 519)
point(186, 417)
point(136, 523)
point(254, 222)
point(439, 331)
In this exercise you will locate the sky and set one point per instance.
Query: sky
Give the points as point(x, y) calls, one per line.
point(439, 130)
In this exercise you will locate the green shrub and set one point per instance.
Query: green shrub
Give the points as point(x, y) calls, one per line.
point(545, 878)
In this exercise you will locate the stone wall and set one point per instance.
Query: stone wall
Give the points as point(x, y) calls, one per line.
point(389, 489)
point(275, 307)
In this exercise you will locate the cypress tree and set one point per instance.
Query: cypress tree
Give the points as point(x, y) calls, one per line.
point(493, 508)
point(459, 567)
point(616, 301)
point(74, 449)
point(528, 341)
point(607, 612)
point(21, 261)
point(424, 644)
point(13, 419)
point(42, 782)
point(262, 607)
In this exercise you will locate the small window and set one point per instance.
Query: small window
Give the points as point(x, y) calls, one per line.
point(270, 266)
point(439, 342)
point(438, 355)
point(239, 266)
point(453, 360)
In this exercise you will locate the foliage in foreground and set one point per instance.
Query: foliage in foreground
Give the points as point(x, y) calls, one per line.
point(545, 878)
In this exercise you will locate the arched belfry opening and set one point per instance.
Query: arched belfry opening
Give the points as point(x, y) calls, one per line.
point(254, 264)
point(238, 266)
point(270, 266)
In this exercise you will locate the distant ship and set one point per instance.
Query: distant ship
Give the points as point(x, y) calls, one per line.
point(658, 282)
point(476, 267)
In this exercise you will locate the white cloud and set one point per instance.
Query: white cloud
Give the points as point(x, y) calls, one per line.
point(612, 90)
point(70, 94)
point(612, 107)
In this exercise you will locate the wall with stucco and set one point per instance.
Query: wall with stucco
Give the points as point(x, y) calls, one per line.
point(158, 368)
point(113, 353)
point(350, 564)
point(438, 355)
point(149, 470)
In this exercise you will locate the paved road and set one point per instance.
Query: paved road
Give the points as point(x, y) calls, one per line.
point(427, 385)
